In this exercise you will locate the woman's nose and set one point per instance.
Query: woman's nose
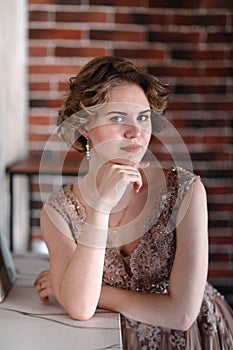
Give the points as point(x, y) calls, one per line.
point(132, 132)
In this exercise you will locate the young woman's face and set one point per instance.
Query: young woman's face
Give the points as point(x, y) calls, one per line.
point(122, 127)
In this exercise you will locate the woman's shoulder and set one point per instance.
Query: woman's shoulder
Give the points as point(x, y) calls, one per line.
point(66, 203)
point(182, 177)
point(185, 174)
point(176, 182)
point(171, 175)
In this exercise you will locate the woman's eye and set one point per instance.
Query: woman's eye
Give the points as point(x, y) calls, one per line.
point(117, 119)
point(143, 117)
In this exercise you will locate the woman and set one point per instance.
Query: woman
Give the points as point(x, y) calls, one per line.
point(130, 236)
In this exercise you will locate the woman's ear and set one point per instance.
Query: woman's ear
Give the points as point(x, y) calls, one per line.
point(83, 131)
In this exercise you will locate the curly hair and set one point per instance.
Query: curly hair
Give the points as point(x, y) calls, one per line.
point(92, 86)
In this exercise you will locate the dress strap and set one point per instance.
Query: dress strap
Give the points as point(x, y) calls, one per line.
point(171, 197)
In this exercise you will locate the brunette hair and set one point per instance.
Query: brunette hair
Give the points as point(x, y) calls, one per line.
point(92, 86)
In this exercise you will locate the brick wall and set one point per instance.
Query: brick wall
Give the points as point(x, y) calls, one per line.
point(189, 47)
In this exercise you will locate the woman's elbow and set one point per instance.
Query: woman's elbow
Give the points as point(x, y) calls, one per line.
point(80, 314)
point(77, 309)
point(184, 322)
point(186, 316)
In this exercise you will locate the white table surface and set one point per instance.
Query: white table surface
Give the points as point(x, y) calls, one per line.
point(28, 324)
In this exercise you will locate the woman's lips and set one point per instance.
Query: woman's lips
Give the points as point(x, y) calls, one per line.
point(131, 148)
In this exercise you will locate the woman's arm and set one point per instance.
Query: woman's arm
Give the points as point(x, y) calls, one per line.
point(76, 270)
point(179, 308)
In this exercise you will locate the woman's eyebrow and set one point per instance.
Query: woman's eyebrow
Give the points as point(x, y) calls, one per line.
point(118, 112)
point(124, 113)
point(147, 110)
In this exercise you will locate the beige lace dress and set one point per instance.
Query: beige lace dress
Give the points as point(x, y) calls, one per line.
point(148, 268)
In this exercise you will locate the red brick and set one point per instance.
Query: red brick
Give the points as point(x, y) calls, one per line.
point(169, 19)
point(223, 240)
point(55, 34)
point(80, 51)
point(173, 4)
point(39, 120)
point(221, 207)
point(54, 69)
point(111, 35)
point(142, 53)
point(69, 2)
point(219, 71)
point(217, 173)
point(201, 106)
point(220, 273)
point(36, 235)
point(173, 71)
point(216, 4)
point(202, 20)
point(217, 140)
point(38, 16)
point(219, 257)
point(198, 123)
point(38, 137)
point(122, 3)
point(63, 85)
point(186, 89)
point(217, 190)
point(37, 204)
point(35, 222)
point(39, 86)
point(38, 51)
point(189, 139)
point(198, 55)
point(221, 223)
point(211, 156)
point(44, 103)
point(32, 2)
point(220, 37)
point(174, 37)
point(80, 17)
point(230, 52)
point(142, 18)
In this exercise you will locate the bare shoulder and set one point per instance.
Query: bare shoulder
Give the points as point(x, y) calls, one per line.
point(193, 209)
point(46, 223)
point(197, 191)
point(55, 230)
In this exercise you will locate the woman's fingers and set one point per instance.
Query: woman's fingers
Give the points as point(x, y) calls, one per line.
point(45, 294)
point(43, 285)
point(42, 274)
point(111, 181)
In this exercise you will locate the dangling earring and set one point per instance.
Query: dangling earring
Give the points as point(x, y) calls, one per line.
point(88, 155)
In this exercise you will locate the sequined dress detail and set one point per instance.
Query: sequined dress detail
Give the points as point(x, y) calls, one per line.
point(148, 270)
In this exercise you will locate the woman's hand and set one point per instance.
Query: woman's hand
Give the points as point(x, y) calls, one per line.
point(112, 180)
point(44, 287)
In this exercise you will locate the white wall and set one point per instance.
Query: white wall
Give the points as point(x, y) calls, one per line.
point(13, 110)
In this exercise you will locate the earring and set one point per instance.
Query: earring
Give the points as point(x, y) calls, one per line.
point(88, 155)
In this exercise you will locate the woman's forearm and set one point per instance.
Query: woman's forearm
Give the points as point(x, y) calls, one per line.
point(76, 270)
point(161, 310)
point(80, 286)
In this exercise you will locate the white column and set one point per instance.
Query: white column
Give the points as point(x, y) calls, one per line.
point(13, 112)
